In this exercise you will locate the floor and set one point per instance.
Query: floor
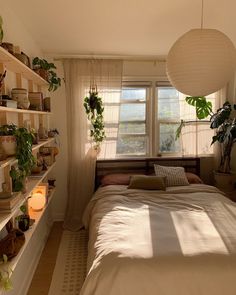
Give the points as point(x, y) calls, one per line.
point(47, 262)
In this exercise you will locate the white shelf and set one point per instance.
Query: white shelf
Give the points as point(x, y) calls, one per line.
point(12, 160)
point(13, 110)
point(15, 65)
point(32, 182)
point(29, 233)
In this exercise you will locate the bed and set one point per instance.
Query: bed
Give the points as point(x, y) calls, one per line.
point(181, 241)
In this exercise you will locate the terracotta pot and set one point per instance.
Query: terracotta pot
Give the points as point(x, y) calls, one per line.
point(8, 143)
point(43, 73)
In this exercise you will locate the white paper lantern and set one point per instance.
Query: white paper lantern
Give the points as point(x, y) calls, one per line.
point(201, 62)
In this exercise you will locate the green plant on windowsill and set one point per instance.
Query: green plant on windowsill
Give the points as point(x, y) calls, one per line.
point(222, 121)
point(94, 109)
point(46, 71)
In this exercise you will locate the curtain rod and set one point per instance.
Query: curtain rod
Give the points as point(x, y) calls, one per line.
point(122, 57)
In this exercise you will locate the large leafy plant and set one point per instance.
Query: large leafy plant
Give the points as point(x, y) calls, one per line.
point(51, 77)
point(222, 121)
point(94, 109)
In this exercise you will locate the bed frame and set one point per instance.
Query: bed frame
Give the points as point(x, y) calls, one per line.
point(143, 165)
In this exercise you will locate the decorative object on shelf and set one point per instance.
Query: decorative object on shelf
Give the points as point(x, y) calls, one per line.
point(36, 101)
point(51, 182)
point(45, 70)
point(21, 96)
point(23, 58)
point(8, 47)
point(1, 30)
point(53, 132)
point(18, 177)
point(94, 109)
point(23, 219)
point(36, 137)
point(2, 77)
point(12, 243)
point(8, 139)
point(3, 154)
point(39, 197)
point(48, 154)
point(47, 104)
point(225, 126)
point(42, 132)
point(38, 167)
point(201, 61)
point(5, 273)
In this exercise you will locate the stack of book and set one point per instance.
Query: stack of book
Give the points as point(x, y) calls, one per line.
point(7, 204)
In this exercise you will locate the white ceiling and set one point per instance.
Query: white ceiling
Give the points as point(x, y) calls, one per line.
point(119, 27)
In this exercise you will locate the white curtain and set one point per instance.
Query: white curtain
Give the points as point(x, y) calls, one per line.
point(81, 155)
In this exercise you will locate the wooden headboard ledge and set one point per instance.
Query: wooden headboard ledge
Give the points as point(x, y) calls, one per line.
point(144, 165)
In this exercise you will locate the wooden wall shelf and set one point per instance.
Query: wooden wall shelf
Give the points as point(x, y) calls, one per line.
point(32, 183)
point(14, 65)
point(12, 110)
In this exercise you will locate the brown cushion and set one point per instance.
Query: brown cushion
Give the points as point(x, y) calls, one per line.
point(193, 178)
point(119, 179)
point(147, 182)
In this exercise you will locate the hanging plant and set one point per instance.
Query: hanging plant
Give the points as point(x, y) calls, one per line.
point(94, 109)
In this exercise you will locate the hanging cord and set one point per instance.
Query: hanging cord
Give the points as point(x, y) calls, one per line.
point(202, 14)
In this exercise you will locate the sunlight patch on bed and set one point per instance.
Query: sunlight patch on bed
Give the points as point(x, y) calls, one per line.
point(196, 233)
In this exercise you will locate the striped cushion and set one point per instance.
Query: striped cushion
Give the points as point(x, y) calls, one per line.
point(175, 176)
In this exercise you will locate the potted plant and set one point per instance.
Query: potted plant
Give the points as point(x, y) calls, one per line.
point(224, 123)
point(8, 139)
point(94, 109)
point(45, 70)
point(5, 273)
point(23, 219)
point(26, 160)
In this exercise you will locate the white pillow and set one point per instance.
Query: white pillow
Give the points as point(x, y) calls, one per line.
point(175, 176)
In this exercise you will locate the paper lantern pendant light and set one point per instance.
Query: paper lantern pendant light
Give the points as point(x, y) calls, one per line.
point(201, 62)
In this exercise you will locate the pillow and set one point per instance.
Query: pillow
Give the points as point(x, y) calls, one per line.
point(147, 182)
point(193, 178)
point(175, 176)
point(120, 179)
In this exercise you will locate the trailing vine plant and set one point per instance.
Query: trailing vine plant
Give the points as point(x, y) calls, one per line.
point(94, 109)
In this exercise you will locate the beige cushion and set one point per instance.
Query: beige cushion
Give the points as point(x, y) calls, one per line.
point(175, 176)
point(147, 182)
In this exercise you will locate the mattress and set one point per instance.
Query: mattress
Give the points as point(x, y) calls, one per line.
point(181, 241)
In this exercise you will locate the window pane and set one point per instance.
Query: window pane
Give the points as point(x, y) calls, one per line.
point(133, 128)
point(167, 139)
point(133, 94)
point(131, 145)
point(132, 112)
point(168, 103)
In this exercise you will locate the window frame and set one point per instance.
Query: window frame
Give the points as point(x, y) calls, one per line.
point(135, 85)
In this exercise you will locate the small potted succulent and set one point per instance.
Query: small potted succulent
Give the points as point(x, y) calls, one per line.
point(46, 71)
point(8, 139)
point(23, 219)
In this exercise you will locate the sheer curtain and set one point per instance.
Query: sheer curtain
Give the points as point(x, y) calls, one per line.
point(81, 155)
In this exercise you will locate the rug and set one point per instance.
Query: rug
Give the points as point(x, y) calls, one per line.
point(70, 269)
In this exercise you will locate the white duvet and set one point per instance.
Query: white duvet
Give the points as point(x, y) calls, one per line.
point(176, 242)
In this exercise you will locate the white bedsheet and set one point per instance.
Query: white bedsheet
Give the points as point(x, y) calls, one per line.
point(176, 242)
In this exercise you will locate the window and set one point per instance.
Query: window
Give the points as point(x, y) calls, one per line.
point(196, 135)
point(143, 120)
point(132, 131)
